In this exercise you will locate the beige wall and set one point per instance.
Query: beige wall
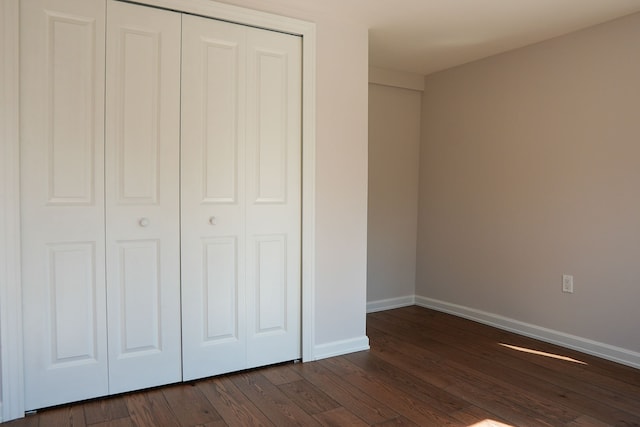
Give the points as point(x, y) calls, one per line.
point(394, 140)
point(530, 168)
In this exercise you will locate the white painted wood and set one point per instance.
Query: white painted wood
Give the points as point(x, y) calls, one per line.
point(307, 30)
point(390, 303)
point(338, 348)
point(11, 356)
point(273, 196)
point(62, 144)
point(240, 197)
point(142, 196)
point(212, 197)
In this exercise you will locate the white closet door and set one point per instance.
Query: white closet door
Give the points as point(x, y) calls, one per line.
point(62, 142)
point(240, 197)
point(213, 211)
point(142, 196)
point(273, 197)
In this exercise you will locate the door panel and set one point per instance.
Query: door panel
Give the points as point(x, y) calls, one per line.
point(220, 297)
point(62, 144)
point(70, 271)
point(269, 91)
point(70, 122)
point(213, 247)
point(139, 269)
point(220, 75)
point(139, 93)
point(273, 196)
point(271, 284)
point(142, 196)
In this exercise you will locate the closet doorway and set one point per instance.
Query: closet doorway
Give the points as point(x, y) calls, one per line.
point(224, 196)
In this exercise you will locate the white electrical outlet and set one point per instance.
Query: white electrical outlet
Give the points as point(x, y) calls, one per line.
point(567, 283)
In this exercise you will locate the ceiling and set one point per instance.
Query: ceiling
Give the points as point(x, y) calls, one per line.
point(424, 36)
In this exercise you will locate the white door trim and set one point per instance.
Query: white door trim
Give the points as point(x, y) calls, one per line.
point(12, 405)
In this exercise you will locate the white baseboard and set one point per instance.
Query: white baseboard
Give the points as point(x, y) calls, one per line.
point(338, 348)
point(388, 304)
point(605, 351)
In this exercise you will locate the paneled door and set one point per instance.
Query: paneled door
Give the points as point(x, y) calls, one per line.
point(143, 196)
point(273, 196)
point(100, 218)
point(161, 197)
point(240, 197)
point(62, 177)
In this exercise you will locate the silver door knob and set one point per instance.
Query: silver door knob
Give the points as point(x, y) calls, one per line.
point(213, 220)
point(143, 222)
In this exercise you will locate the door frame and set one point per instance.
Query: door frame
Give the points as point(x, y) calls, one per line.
point(11, 356)
point(12, 403)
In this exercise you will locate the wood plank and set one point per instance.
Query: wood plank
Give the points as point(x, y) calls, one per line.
point(308, 397)
point(397, 377)
point(101, 410)
point(217, 423)
point(120, 422)
point(516, 403)
point(63, 416)
point(280, 374)
point(567, 403)
point(504, 408)
point(346, 394)
point(473, 386)
point(149, 409)
point(32, 420)
point(271, 401)
point(189, 405)
point(410, 407)
point(398, 421)
point(587, 421)
point(424, 368)
point(339, 417)
point(447, 323)
point(474, 415)
point(232, 405)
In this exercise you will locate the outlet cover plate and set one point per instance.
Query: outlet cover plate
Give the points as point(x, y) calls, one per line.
point(567, 283)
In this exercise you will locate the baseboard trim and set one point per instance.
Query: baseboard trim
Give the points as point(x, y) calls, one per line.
point(390, 303)
point(338, 348)
point(602, 350)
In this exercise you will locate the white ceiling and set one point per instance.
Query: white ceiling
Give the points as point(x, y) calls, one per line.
point(423, 36)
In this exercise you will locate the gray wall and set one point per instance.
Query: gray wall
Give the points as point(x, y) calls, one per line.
point(394, 141)
point(530, 168)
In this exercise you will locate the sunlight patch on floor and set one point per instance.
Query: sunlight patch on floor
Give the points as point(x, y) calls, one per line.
point(542, 353)
point(490, 423)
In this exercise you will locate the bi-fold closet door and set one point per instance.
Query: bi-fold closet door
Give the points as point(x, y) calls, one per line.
point(142, 186)
point(193, 118)
point(100, 199)
point(240, 198)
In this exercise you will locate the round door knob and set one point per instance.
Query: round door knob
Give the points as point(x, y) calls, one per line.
point(213, 220)
point(143, 222)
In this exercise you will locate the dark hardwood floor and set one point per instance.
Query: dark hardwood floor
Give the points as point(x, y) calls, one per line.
point(424, 368)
